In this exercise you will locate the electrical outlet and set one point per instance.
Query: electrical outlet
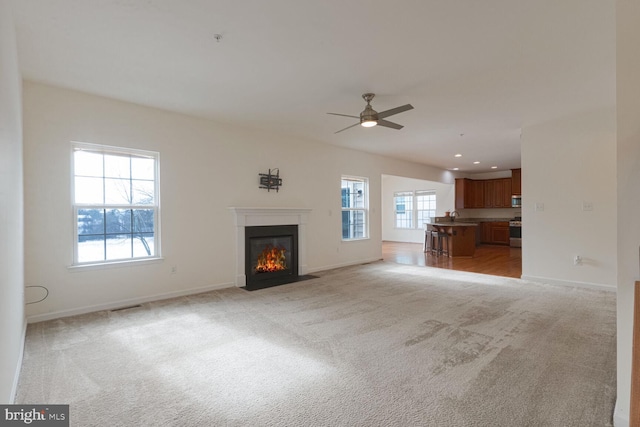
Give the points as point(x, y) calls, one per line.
point(174, 269)
point(577, 260)
point(539, 207)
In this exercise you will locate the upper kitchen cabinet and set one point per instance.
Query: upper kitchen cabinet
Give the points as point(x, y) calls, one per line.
point(516, 182)
point(463, 193)
point(488, 193)
point(469, 193)
point(497, 193)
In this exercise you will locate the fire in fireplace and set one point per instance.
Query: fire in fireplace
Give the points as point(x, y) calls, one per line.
point(272, 259)
point(271, 255)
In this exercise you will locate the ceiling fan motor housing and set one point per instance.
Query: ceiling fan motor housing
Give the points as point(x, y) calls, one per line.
point(368, 115)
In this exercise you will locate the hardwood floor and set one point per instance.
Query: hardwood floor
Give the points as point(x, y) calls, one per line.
point(488, 259)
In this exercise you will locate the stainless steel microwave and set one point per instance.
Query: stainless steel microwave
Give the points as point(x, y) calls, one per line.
point(516, 201)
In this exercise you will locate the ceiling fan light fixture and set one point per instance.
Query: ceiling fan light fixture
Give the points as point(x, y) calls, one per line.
point(369, 117)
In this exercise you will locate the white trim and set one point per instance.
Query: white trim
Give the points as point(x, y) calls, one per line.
point(132, 262)
point(249, 217)
point(16, 376)
point(571, 283)
point(125, 303)
point(619, 419)
point(344, 264)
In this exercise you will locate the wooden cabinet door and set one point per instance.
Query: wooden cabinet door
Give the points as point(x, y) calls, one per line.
point(516, 181)
point(478, 194)
point(460, 193)
point(506, 191)
point(500, 233)
point(488, 192)
point(498, 193)
point(485, 234)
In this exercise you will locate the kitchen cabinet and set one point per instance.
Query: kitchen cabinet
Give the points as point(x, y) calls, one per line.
point(500, 233)
point(465, 196)
point(486, 193)
point(477, 194)
point(498, 194)
point(516, 182)
point(470, 194)
point(494, 233)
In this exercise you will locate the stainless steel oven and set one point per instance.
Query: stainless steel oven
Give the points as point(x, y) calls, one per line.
point(515, 233)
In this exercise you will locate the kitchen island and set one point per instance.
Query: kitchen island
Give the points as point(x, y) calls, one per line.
point(461, 237)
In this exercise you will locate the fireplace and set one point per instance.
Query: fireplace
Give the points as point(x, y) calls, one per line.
point(249, 218)
point(271, 255)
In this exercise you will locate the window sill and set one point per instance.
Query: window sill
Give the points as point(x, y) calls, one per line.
point(359, 239)
point(115, 264)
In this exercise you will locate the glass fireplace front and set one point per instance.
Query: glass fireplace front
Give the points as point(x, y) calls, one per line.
point(271, 255)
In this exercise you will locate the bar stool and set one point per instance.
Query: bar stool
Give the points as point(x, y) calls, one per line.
point(429, 241)
point(441, 240)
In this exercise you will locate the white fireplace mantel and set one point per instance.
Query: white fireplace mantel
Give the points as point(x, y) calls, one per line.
point(250, 217)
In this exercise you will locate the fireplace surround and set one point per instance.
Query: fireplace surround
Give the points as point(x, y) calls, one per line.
point(258, 217)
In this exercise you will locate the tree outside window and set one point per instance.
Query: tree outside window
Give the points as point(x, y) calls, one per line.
point(115, 203)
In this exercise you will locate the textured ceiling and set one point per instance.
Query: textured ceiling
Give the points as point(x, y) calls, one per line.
point(477, 72)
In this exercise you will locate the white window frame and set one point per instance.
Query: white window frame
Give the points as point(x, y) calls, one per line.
point(107, 149)
point(410, 222)
point(364, 209)
point(416, 203)
point(415, 210)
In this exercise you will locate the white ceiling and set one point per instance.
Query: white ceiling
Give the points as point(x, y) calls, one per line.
point(477, 72)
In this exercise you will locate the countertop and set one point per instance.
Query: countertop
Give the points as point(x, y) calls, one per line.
point(454, 224)
point(484, 219)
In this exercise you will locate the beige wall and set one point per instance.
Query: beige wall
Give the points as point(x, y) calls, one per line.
point(205, 168)
point(566, 163)
point(12, 323)
point(628, 180)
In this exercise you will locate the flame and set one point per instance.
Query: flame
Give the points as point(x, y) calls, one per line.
point(272, 259)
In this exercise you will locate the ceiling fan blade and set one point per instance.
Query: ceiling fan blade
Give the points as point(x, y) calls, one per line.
point(344, 115)
point(348, 127)
point(396, 110)
point(389, 124)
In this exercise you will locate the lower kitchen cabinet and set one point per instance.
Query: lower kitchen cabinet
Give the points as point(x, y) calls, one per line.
point(494, 233)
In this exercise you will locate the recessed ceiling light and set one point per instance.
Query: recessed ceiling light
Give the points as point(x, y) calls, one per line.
point(458, 155)
point(476, 163)
point(455, 169)
point(494, 167)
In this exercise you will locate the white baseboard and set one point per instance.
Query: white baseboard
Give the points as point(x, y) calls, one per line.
point(16, 376)
point(571, 283)
point(344, 264)
point(124, 303)
point(619, 419)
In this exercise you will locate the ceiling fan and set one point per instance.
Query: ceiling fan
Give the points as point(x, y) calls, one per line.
point(369, 117)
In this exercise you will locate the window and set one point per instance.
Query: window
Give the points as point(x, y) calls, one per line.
point(425, 206)
point(115, 204)
point(355, 208)
point(403, 201)
point(413, 208)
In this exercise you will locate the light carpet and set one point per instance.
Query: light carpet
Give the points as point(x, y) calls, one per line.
point(381, 344)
